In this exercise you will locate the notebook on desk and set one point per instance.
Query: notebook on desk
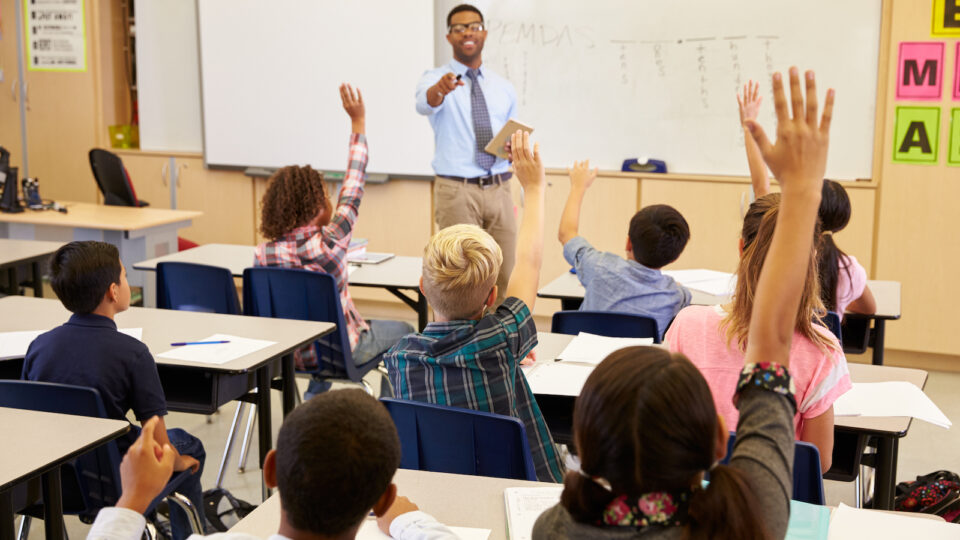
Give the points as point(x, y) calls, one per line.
point(369, 257)
point(524, 506)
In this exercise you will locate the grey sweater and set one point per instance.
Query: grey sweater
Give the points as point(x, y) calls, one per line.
point(763, 451)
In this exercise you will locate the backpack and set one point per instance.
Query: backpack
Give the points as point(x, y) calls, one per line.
point(223, 510)
point(935, 493)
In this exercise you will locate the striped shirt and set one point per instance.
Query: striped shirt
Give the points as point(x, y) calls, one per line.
point(476, 365)
point(325, 249)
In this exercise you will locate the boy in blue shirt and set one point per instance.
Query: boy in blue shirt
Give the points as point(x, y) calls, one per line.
point(657, 236)
point(470, 358)
point(87, 350)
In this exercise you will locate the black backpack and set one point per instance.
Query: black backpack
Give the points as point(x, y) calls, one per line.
point(935, 493)
point(223, 510)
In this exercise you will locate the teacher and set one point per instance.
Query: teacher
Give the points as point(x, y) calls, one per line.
point(471, 186)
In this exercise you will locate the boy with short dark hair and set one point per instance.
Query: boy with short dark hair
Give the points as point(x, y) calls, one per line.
point(87, 350)
point(335, 459)
point(656, 238)
point(471, 358)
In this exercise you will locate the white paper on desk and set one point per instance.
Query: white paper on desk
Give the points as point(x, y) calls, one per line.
point(524, 506)
point(592, 349)
point(708, 281)
point(850, 522)
point(557, 378)
point(219, 353)
point(893, 398)
point(15, 344)
point(370, 531)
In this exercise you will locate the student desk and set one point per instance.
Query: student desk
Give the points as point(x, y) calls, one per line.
point(569, 291)
point(441, 495)
point(138, 233)
point(192, 386)
point(398, 275)
point(37, 443)
point(14, 253)
point(887, 430)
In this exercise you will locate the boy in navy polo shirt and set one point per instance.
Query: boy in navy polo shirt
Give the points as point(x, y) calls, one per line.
point(87, 350)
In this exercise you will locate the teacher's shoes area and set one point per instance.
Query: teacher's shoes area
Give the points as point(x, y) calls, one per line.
point(926, 448)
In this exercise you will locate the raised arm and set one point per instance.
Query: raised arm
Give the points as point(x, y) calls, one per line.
point(749, 105)
point(581, 178)
point(351, 192)
point(528, 167)
point(798, 160)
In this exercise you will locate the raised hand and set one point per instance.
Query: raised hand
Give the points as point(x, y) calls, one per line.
point(799, 157)
point(527, 164)
point(145, 470)
point(581, 175)
point(749, 102)
point(352, 101)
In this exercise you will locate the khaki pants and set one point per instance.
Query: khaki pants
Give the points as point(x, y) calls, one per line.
point(490, 208)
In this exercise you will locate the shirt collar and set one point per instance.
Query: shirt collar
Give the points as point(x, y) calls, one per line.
point(646, 270)
point(461, 69)
point(91, 319)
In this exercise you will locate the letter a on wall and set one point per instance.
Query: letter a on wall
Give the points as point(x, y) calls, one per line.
point(916, 135)
point(920, 71)
point(946, 18)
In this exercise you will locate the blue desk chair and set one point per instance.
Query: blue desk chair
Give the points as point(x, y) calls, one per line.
point(807, 479)
point(287, 293)
point(92, 481)
point(605, 323)
point(438, 438)
point(832, 322)
point(206, 289)
point(196, 287)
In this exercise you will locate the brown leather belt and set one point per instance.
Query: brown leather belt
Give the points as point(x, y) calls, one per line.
point(482, 181)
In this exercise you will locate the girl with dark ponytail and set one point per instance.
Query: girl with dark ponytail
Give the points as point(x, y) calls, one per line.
point(843, 280)
point(645, 425)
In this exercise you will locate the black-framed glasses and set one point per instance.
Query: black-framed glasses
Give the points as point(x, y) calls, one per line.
point(461, 28)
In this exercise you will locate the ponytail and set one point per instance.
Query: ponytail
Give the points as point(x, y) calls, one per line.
point(727, 509)
point(828, 268)
point(583, 498)
point(834, 214)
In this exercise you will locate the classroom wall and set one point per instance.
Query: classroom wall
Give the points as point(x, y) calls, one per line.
point(901, 229)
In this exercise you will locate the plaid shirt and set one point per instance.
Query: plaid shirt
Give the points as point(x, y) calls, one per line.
point(476, 365)
point(325, 249)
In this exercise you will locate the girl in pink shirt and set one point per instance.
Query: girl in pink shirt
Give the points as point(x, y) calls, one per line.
point(714, 338)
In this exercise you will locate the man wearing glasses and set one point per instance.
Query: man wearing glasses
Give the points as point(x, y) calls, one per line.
point(471, 186)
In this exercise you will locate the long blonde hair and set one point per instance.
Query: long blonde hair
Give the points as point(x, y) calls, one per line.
point(757, 235)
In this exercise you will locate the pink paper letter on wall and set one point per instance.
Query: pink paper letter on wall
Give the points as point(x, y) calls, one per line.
point(920, 70)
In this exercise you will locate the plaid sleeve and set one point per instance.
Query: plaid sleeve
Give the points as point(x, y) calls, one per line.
point(341, 226)
point(516, 319)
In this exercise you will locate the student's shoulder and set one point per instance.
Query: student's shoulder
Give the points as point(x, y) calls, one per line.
point(703, 315)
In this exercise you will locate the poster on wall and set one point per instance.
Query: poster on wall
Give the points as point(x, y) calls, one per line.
point(55, 35)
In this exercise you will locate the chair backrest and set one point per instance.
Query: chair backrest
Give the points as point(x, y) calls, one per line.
point(605, 323)
point(807, 478)
point(438, 438)
point(112, 178)
point(196, 287)
point(97, 477)
point(288, 293)
point(832, 320)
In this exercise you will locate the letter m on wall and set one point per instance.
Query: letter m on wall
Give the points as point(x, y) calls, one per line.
point(920, 71)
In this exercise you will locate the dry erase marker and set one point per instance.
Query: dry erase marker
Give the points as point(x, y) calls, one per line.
point(458, 77)
point(182, 343)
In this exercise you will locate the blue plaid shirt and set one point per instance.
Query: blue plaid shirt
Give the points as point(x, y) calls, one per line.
point(476, 365)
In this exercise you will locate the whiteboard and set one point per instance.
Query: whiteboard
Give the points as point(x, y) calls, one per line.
point(168, 82)
point(614, 79)
point(270, 72)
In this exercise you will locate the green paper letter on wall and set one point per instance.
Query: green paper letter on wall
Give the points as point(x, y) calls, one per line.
point(953, 157)
point(916, 135)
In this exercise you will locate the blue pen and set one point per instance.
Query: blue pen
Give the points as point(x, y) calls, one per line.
point(182, 343)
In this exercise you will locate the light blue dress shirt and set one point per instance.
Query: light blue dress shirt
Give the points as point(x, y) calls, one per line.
point(613, 283)
point(453, 136)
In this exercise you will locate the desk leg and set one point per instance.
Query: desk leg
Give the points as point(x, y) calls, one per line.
point(53, 505)
point(879, 326)
point(12, 286)
point(263, 419)
point(886, 479)
point(7, 528)
point(289, 384)
point(422, 311)
point(37, 280)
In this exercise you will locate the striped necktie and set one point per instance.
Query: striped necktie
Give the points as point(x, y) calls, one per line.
point(481, 121)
